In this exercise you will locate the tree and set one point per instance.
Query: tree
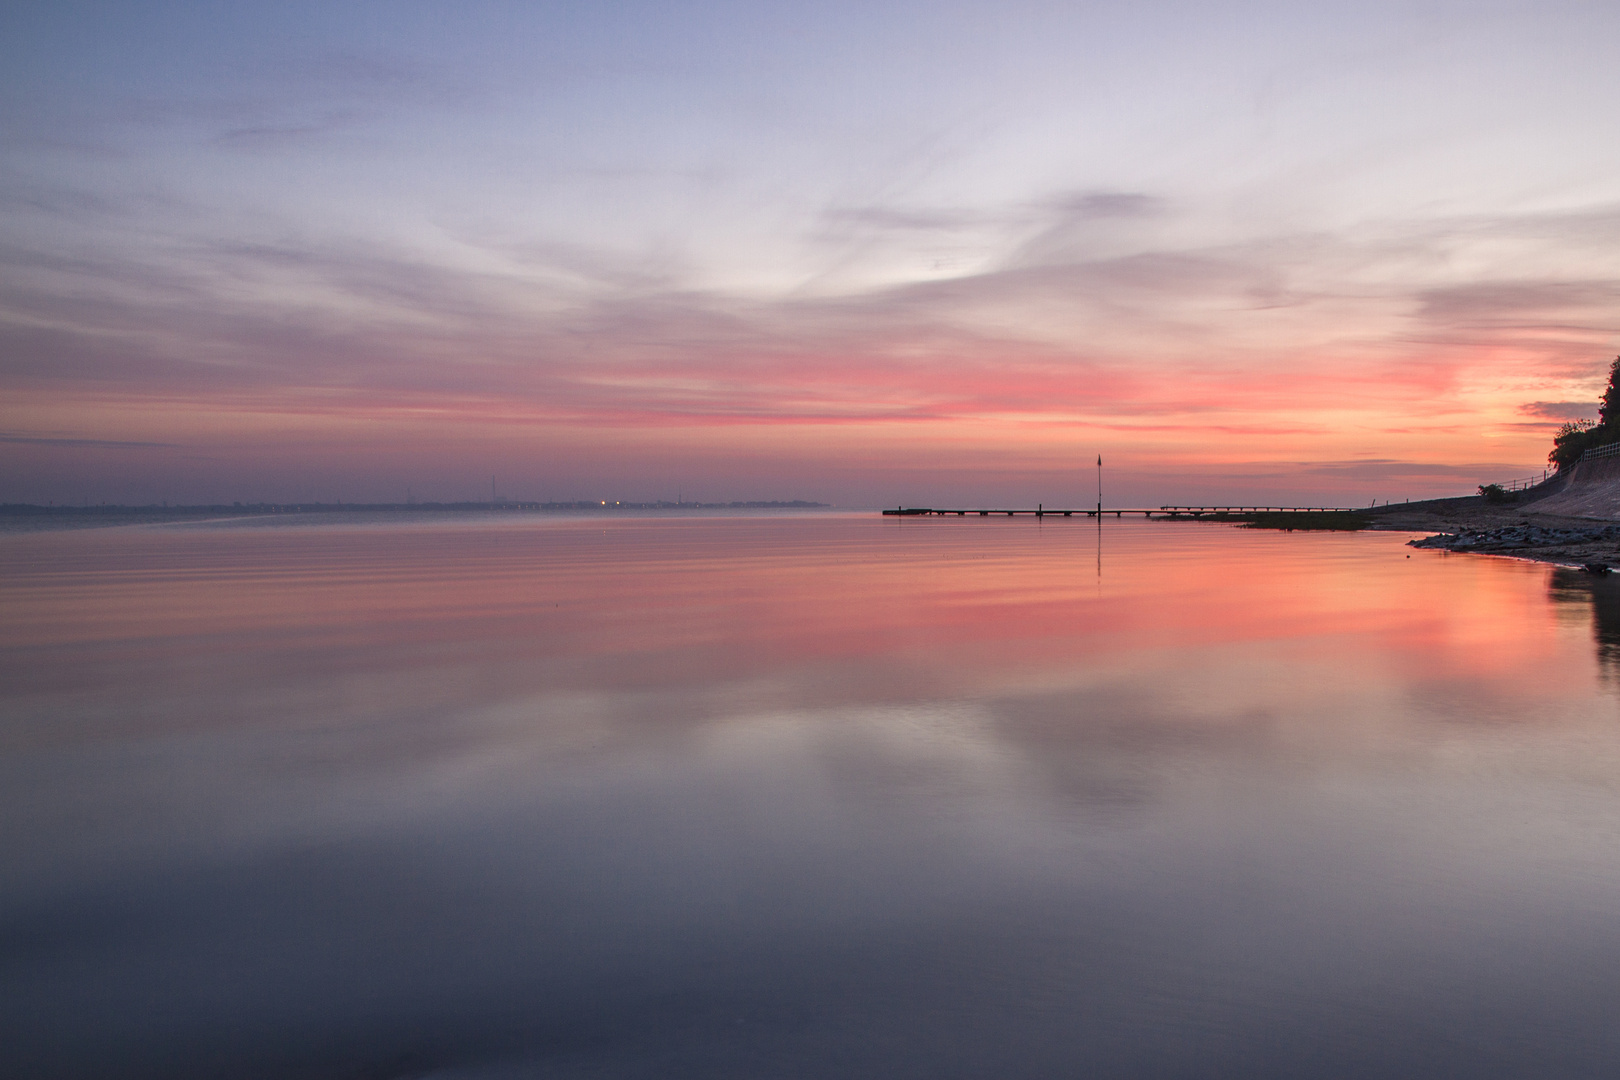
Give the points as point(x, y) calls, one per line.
point(1575, 439)
point(1572, 440)
point(1609, 411)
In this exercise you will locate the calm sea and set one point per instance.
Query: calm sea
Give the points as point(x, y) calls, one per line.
point(802, 796)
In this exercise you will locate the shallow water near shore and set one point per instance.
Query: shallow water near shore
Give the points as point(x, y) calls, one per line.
point(802, 796)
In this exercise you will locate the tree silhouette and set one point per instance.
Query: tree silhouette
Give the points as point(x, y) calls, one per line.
point(1573, 440)
point(1609, 411)
point(1576, 438)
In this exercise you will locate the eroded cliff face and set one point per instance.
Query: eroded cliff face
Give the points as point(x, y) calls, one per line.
point(1592, 491)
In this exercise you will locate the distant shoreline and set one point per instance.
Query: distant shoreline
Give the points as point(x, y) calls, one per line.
point(31, 517)
point(1466, 524)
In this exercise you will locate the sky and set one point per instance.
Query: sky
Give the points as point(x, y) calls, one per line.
point(866, 253)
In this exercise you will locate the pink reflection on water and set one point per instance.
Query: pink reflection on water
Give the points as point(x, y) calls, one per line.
point(893, 609)
point(824, 585)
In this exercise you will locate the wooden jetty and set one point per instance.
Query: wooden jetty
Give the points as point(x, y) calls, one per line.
point(1204, 513)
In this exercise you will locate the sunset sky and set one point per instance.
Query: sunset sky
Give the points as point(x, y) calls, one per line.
point(864, 253)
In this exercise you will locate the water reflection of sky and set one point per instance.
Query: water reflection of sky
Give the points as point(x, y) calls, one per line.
point(801, 797)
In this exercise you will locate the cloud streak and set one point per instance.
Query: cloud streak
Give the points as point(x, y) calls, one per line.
point(1561, 410)
point(93, 444)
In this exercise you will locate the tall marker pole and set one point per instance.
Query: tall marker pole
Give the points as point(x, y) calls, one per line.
point(1099, 526)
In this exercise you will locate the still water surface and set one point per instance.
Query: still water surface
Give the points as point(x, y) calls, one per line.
point(808, 796)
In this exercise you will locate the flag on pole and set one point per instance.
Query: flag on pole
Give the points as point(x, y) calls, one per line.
point(1099, 461)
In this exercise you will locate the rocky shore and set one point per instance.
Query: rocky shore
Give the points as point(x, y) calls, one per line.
point(1474, 525)
point(1591, 548)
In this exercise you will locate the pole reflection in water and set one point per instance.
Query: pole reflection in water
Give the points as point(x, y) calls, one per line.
point(803, 797)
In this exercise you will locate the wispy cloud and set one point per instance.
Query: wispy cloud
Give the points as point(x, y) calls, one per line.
point(1091, 205)
point(897, 220)
point(1538, 305)
point(1560, 410)
point(93, 444)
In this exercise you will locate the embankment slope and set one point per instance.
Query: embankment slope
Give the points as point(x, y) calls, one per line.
point(1592, 492)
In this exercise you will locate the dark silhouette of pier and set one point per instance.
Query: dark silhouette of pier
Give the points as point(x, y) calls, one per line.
point(1304, 514)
